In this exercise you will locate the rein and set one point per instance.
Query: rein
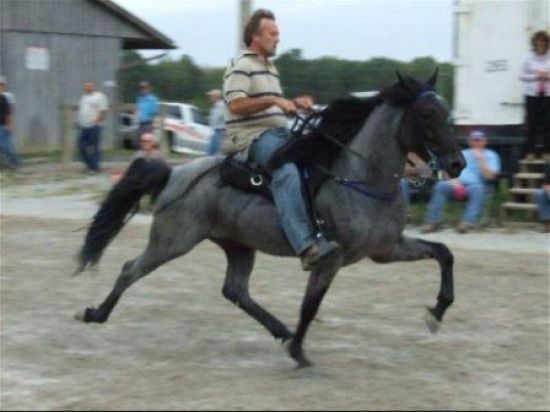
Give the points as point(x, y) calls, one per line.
point(358, 186)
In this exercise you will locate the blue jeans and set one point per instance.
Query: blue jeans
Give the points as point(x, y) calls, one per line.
point(542, 199)
point(8, 148)
point(88, 145)
point(286, 187)
point(215, 142)
point(443, 191)
point(406, 189)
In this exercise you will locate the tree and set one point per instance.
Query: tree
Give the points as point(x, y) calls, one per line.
point(325, 78)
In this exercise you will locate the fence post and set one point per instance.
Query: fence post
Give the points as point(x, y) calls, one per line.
point(67, 135)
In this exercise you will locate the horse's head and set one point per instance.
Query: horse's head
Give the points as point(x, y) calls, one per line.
point(428, 130)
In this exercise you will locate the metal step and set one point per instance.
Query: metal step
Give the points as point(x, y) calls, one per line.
point(522, 191)
point(519, 206)
point(529, 175)
point(538, 162)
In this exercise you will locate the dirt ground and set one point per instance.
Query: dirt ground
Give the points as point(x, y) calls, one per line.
point(174, 342)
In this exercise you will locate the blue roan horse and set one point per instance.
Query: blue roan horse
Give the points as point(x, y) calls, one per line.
point(362, 209)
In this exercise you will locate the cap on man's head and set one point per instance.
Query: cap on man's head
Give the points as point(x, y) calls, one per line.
point(477, 135)
point(214, 92)
point(3, 80)
point(144, 83)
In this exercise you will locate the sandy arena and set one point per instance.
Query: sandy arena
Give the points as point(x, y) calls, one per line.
point(174, 342)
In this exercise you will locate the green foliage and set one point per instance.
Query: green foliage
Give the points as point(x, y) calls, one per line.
point(325, 78)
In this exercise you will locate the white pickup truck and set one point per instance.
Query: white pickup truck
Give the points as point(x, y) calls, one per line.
point(185, 128)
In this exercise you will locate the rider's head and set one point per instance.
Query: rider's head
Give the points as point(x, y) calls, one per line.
point(261, 33)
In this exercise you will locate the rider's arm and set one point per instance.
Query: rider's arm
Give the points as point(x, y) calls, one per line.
point(251, 105)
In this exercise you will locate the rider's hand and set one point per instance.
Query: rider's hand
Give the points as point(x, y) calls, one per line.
point(288, 106)
point(304, 103)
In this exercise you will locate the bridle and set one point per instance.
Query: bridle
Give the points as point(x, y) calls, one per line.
point(304, 123)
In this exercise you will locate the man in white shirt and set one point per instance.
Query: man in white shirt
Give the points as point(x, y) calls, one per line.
point(92, 111)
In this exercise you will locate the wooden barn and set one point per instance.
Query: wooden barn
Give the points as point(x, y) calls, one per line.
point(49, 48)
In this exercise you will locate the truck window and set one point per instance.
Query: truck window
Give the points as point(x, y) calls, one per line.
point(173, 112)
point(198, 117)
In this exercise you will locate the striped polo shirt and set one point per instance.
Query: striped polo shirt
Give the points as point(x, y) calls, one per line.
point(250, 76)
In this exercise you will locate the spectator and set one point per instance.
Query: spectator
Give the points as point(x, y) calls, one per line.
point(92, 111)
point(147, 106)
point(482, 166)
point(542, 198)
point(216, 120)
point(148, 149)
point(536, 76)
point(7, 108)
point(415, 169)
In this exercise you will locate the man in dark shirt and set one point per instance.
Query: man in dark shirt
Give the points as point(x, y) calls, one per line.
point(6, 126)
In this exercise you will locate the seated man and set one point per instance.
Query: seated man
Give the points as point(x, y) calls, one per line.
point(482, 166)
point(415, 168)
point(542, 198)
point(256, 125)
point(148, 149)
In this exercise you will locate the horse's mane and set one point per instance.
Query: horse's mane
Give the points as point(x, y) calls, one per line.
point(341, 120)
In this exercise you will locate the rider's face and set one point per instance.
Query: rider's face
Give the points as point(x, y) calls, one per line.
point(268, 38)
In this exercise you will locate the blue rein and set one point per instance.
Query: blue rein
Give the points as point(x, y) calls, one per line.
point(362, 188)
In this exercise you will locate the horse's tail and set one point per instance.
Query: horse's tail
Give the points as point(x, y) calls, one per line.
point(144, 176)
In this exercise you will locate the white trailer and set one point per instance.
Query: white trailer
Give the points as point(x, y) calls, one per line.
point(491, 40)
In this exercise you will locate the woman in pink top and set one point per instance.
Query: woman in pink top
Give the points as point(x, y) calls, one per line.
point(536, 77)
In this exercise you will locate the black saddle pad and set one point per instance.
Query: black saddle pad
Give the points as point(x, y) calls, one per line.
point(246, 176)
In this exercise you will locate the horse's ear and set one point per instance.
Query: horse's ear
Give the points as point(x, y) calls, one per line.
point(400, 78)
point(433, 78)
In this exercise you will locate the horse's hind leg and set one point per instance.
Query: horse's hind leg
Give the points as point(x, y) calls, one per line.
point(240, 261)
point(158, 251)
point(410, 249)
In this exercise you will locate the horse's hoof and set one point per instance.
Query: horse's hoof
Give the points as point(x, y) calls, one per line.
point(90, 315)
point(431, 322)
point(297, 354)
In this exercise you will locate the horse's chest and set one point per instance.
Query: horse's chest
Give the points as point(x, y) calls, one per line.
point(366, 229)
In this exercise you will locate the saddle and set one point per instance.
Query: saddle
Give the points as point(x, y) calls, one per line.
point(251, 177)
point(247, 176)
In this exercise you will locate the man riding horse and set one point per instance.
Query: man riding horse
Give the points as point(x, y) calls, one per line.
point(256, 125)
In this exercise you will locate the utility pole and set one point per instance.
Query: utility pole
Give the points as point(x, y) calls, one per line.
point(245, 10)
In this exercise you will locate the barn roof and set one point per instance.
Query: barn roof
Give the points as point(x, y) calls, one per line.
point(152, 39)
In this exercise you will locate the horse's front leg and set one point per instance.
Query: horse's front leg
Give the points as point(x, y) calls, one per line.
point(319, 282)
point(410, 249)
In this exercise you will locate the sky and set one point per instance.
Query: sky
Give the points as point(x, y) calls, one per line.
point(207, 30)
